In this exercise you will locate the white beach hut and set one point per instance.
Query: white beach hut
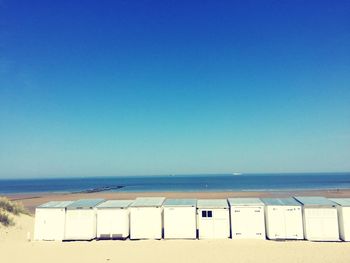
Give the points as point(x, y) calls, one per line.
point(343, 207)
point(113, 219)
point(247, 218)
point(50, 220)
point(179, 217)
point(320, 218)
point(81, 219)
point(146, 218)
point(283, 218)
point(213, 218)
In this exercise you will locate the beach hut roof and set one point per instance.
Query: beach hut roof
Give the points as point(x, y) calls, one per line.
point(180, 202)
point(289, 201)
point(245, 201)
point(341, 201)
point(148, 202)
point(315, 201)
point(85, 203)
point(115, 204)
point(55, 204)
point(212, 203)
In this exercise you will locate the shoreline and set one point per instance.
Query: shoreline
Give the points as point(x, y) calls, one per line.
point(116, 190)
point(32, 200)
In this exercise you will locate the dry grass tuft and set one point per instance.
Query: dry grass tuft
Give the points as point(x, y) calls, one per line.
point(15, 208)
point(7, 208)
point(6, 219)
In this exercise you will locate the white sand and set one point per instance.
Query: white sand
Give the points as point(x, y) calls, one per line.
point(14, 247)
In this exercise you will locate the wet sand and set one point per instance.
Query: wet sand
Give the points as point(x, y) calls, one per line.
point(30, 201)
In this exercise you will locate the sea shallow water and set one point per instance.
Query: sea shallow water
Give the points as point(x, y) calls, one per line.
point(180, 183)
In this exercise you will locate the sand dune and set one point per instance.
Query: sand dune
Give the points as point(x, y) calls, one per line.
point(14, 247)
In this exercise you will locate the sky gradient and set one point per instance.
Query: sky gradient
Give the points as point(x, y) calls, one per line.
point(164, 87)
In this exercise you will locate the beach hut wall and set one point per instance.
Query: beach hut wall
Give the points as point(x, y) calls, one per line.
point(113, 219)
point(81, 219)
point(247, 218)
point(213, 219)
point(50, 219)
point(283, 218)
point(179, 218)
point(343, 208)
point(320, 218)
point(146, 221)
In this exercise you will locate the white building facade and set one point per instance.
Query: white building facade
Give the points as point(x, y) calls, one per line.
point(283, 218)
point(180, 220)
point(81, 219)
point(213, 219)
point(320, 218)
point(343, 207)
point(146, 218)
point(50, 220)
point(113, 218)
point(247, 218)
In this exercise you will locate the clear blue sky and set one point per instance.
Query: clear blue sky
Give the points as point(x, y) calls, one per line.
point(162, 87)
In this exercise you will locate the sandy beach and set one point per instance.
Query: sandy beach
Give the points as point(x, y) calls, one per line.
point(15, 247)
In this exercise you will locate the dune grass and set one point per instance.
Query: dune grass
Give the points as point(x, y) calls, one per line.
point(15, 208)
point(6, 219)
point(8, 208)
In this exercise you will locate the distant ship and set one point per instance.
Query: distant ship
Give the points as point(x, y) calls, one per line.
point(236, 173)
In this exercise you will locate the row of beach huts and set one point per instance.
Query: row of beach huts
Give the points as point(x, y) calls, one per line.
point(310, 218)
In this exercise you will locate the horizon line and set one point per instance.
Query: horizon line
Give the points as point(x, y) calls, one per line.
point(169, 174)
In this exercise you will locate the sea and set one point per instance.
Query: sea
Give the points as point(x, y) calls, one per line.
point(180, 183)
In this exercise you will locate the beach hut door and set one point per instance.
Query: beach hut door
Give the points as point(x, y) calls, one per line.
point(53, 226)
point(277, 222)
point(246, 222)
point(207, 224)
point(292, 222)
point(329, 221)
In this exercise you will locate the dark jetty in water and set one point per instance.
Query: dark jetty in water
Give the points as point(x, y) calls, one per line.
point(100, 189)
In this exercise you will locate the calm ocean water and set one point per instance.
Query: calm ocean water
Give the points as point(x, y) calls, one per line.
point(177, 183)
